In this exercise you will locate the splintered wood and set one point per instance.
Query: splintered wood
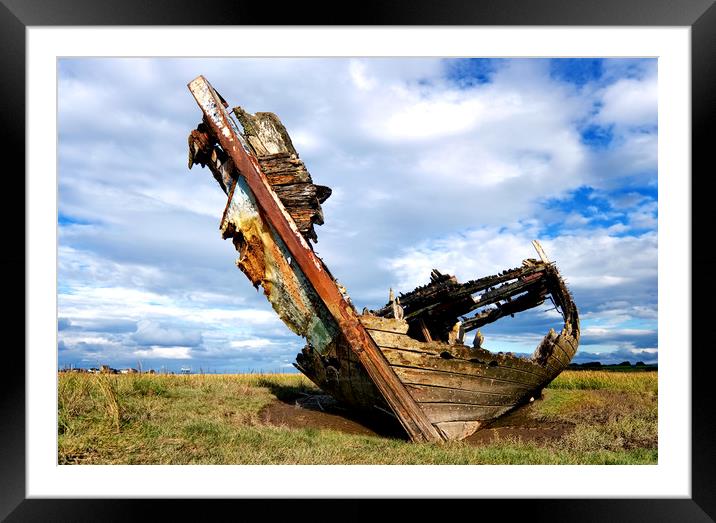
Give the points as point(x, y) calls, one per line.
point(278, 160)
point(285, 172)
point(432, 310)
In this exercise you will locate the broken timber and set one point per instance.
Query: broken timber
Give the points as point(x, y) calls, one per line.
point(400, 401)
point(407, 357)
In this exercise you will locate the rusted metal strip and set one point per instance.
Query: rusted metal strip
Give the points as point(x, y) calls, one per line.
point(404, 406)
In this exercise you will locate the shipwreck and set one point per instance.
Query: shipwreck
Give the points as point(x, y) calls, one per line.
point(409, 358)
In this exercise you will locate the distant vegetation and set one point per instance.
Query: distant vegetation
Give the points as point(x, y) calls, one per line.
point(624, 366)
point(637, 382)
point(216, 419)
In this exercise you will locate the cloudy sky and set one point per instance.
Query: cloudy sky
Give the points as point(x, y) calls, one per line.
point(450, 164)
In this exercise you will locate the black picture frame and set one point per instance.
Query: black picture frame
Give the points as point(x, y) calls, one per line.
point(699, 15)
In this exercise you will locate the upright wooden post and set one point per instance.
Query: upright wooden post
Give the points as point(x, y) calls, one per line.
point(540, 251)
point(404, 406)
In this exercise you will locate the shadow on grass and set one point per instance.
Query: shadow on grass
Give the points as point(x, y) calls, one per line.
point(288, 393)
point(320, 410)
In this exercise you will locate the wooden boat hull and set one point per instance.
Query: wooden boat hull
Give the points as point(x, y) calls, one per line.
point(459, 388)
point(438, 390)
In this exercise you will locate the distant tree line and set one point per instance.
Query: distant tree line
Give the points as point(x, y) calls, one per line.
point(639, 365)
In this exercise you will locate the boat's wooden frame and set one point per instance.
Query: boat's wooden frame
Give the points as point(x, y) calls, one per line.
point(437, 389)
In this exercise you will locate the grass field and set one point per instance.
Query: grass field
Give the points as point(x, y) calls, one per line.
point(216, 419)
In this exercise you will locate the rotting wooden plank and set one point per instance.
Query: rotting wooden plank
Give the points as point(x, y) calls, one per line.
point(552, 363)
point(350, 377)
point(423, 378)
point(411, 416)
point(403, 341)
point(425, 361)
point(556, 356)
point(295, 195)
point(492, 370)
point(570, 345)
point(443, 284)
point(464, 354)
point(424, 329)
point(521, 303)
point(268, 139)
point(441, 412)
point(383, 324)
point(357, 379)
point(287, 178)
point(458, 430)
point(420, 376)
point(544, 355)
point(559, 352)
point(540, 251)
point(566, 348)
point(554, 366)
point(433, 394)
point(356, 376)
point(264, 259)
point(462, 303)
point(267, 131)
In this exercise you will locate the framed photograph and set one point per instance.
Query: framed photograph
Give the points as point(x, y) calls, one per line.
point(95, 97)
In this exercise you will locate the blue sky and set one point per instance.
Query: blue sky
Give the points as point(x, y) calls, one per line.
point(454, 164)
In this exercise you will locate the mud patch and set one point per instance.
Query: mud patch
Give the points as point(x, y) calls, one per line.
point(321, 411)
point(521, 424)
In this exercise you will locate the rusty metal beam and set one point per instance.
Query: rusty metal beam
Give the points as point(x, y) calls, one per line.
point(396, 395)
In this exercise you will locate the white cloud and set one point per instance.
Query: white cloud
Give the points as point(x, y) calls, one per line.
point(630, 102)
point(417, 118)
point(170, 353)
point(476, 253)
point(120, 302)
point(83, 338)
point(153, 333)
point(254, 343)
point(360, 76)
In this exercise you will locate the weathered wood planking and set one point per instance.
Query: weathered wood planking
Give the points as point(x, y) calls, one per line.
point(342, 375)
point(413, 419)
point(359, 380)
point(330, 364)
point(435, 394)
point(556, 351)
point(440, 412)
point(477, 357)
point(474, 382)
point(286, 173)
point(265, 133)
point(405, 358)
point(457, 430)
point(263, 257)
point(383, 324)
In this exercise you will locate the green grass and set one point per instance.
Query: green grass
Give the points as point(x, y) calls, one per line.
point(638, 381)
point(214, 419)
